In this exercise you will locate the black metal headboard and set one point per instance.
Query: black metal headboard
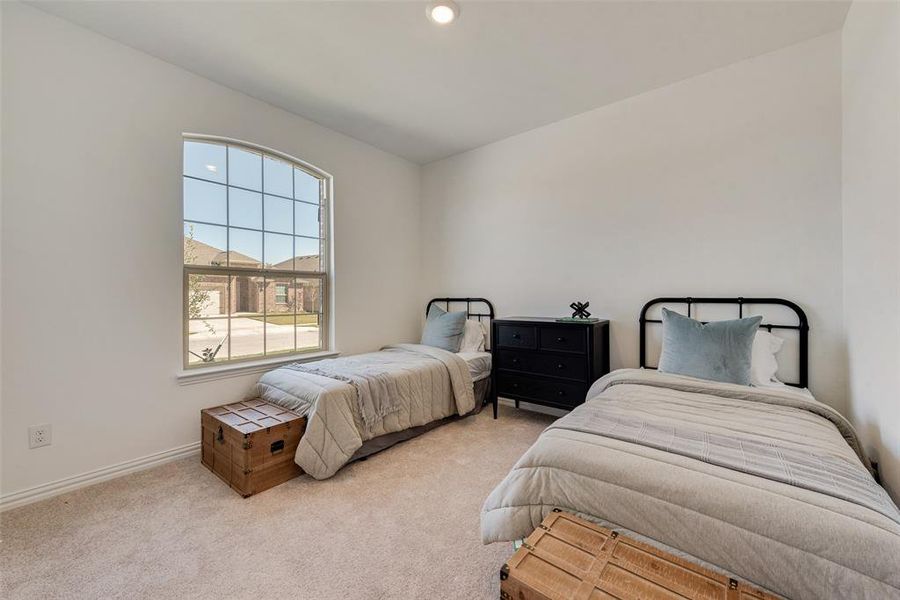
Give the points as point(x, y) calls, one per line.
point(801, 327)
point(478, 308)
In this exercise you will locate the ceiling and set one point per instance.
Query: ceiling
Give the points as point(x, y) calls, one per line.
point(383, 73)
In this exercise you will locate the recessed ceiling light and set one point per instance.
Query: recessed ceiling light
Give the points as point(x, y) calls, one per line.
point(442, 12)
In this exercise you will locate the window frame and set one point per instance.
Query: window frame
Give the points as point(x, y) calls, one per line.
point(323, 275)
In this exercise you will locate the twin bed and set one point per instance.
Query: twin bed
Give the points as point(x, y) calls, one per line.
point(358, 405)
point(763, 482)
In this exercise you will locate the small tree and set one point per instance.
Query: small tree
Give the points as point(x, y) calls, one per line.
point(198, 298)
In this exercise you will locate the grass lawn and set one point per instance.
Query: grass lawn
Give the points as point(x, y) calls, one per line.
point(287, 319)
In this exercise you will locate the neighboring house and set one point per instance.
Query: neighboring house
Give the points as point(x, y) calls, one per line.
point(301, 263)
point(249, 292)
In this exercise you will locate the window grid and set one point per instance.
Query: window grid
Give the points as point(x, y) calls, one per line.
point(294, 245)
point(241, 227)
point(230, 279)
point(252, 191)
point(315, 281)
point(262, 186)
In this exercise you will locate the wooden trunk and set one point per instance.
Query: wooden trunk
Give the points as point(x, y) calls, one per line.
point(251, 444)
point(567, 558)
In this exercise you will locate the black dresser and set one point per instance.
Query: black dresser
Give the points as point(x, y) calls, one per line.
point(542, 361)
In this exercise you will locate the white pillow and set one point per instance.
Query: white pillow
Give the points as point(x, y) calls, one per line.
point(763, 365)
point(473, 337)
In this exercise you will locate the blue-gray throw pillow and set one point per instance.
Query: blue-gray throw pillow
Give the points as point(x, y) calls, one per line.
point(444, 329)
point(717, 351)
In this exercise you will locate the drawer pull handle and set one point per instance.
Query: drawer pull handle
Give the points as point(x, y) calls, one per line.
point(560, 339)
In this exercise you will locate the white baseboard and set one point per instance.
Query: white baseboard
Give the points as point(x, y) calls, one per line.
point(556, 412)
point(67, 484)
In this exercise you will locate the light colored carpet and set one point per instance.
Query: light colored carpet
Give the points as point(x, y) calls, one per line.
point(403, 524)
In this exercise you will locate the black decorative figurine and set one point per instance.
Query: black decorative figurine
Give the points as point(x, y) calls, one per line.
point(581, 311)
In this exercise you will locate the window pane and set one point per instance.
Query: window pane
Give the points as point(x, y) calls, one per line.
point(307, 254)
point(278, 178)
point(245, 249)
point(245, 208)
point(204, 244)
point(309, 308)
point(244, 169)
point(207, 340)
point(207, 296)
point(309, 296)
point(206, 161)
point(205, 201)
point(207, 309)
point(279, 252)
point(306, 187)
point(279, 215)
point(279, 316)
point(247, 324)
point(306, 219)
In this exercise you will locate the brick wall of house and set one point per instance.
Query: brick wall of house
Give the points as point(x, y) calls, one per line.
point(248, 296)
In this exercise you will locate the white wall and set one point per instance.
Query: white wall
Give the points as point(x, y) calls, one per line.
point(723, 184)
point(92, 243)
point(871, 198)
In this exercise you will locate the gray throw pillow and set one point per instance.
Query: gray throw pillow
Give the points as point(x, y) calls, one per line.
point(718, 350)
point(444, 330)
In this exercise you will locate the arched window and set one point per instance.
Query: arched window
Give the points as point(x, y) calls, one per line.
point(255, 253)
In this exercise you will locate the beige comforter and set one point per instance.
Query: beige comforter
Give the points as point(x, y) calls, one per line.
point(785, 533)
point(425, 384)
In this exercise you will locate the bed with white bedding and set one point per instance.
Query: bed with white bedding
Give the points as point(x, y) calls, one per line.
point(357, 405)
point(765, 483)
point(479, 364)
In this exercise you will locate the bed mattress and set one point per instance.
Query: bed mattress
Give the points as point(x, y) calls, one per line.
point(479, 364)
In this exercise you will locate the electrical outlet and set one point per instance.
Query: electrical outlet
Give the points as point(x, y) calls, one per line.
point(39, 435)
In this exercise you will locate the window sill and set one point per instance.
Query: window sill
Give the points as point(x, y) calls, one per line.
point(199, 375)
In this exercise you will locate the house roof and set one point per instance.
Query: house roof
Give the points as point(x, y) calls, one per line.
point(309, 262)
point(204, 254)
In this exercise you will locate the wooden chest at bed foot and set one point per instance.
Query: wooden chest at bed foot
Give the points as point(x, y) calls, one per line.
point(567, 558)
point(250, 445)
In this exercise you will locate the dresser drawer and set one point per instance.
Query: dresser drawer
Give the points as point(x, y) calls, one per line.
point(555, 365)
point(559, 365)
point(567, 339)
point(512, 360)
point(564, 394)
point(542, 391)
point(516, 385)
point(516, 336)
